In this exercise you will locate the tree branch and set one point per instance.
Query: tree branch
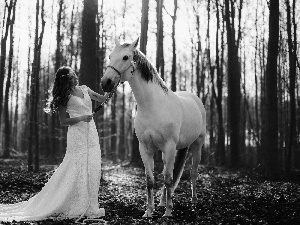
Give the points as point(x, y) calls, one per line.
point(167, 12)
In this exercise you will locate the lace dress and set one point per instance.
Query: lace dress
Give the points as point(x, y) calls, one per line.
point(72, 191)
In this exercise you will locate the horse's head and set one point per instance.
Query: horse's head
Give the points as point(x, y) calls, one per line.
point(120, 66)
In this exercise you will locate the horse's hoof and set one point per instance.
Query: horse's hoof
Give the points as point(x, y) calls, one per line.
point(194, 200)
point(167, 214)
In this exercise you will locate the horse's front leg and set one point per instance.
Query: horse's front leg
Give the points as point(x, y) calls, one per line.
point(169, 159)
point(147, 157)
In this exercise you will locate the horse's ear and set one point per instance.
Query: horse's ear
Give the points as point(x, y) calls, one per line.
point(135, 43)
point(117, 42)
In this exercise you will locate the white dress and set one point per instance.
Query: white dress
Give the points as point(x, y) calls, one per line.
point(72, 191)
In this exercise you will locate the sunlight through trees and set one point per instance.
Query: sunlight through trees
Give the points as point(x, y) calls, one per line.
point(240, 57)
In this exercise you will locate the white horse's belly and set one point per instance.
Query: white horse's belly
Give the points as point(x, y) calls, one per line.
point(189, 132)
point(192, 120)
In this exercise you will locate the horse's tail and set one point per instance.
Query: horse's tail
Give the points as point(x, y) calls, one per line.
point(179, 165)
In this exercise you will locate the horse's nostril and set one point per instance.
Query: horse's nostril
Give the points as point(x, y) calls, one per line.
point(108, 82)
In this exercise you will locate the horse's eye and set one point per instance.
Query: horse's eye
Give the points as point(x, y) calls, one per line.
point(125, 57)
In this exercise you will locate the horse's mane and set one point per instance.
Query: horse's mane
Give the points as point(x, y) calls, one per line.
point(148, 72)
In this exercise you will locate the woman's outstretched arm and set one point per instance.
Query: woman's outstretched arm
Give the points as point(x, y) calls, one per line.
point(97, 97)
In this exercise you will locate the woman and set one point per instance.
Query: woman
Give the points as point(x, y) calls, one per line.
point(72, 191)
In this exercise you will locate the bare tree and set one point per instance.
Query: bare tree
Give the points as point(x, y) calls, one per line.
point(262, 64)
point(16, 116)
point(210, 68)
point(89, 44)
point(35, 86)
point(160, 62)
point(7, 130)
point(72, 27)
point(144, 26)
point(218, 95)
point(3, 50)
point(234, 75)
point(199, 78)
point(271, 110)
point(256, 77)
point(292, 66)
point(173, 72)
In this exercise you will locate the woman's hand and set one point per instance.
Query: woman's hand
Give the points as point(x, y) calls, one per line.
point(86, 118)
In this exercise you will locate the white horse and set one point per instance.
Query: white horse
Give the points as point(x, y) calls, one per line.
point(170, 122)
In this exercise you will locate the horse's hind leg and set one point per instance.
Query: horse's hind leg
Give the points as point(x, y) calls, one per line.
point(196, 155)
point(149, 168)
point(177, 172)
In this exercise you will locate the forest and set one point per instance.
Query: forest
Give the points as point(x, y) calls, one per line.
point(240, 57)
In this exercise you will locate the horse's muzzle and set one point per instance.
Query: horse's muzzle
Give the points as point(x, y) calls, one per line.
point(107, 84)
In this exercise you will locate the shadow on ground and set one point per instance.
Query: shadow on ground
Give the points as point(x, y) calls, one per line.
point(224, 197)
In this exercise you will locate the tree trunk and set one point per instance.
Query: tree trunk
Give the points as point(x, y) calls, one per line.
point(220, 150)
point(38, 66)
point(292, 67)
point(7, 130)
point(35, 83)
point(271, 117)
point(71, 46)
point(160, 62)
point(16, 116)
point(27, 102)
point(256, 81)
point(210, 69)
point(58, 37)
point(3, 53)
point(198, 52)
point(262, 98)
point(173, 72)
point(144, 26)
point(234, 76)
point(243, 128)
point(281, 106)
point(33, 96)
point(88, 70)
point(296, 140)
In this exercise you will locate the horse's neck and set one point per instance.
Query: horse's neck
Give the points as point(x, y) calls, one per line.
point(146, 93)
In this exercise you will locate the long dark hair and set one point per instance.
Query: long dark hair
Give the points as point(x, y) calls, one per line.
point(61, 89)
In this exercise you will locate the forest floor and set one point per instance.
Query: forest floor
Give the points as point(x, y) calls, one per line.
point(224, 196)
